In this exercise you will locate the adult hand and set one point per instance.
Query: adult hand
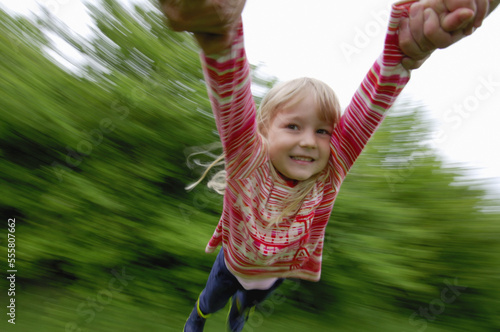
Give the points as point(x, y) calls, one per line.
point(213, 22)
point(436, 24)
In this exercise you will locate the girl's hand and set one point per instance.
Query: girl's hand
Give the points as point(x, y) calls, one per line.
point(436, 24)
point(213, 22)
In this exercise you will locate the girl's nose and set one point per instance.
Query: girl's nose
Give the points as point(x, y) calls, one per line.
point(307, 140)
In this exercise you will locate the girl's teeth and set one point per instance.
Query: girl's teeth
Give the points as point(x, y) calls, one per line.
point(303, 159)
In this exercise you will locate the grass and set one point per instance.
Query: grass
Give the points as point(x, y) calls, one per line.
point(49, 309)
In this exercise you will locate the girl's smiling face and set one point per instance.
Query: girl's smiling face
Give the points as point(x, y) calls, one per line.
point(299, 140)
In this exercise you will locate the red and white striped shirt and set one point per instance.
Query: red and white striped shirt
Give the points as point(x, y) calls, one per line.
point(293, 248)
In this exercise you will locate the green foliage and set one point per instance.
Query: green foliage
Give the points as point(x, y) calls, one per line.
point(93, 168)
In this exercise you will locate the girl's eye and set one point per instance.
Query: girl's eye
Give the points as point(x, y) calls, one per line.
point(323, 132)
point(292, 126)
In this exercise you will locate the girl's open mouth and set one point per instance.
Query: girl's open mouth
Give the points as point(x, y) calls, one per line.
point(299, 158)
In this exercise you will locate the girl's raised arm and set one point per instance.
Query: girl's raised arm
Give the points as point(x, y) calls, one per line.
point(377, 93)
point(416, 29)
point(217, 27)
point(229, 87)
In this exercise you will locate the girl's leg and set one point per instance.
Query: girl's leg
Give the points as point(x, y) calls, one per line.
point(221, 285)
point(256, 296)
point(243, 301)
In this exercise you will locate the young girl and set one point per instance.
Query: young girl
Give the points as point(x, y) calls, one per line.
point(283, 169)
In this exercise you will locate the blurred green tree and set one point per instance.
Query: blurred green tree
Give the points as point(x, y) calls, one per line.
point(93, 168)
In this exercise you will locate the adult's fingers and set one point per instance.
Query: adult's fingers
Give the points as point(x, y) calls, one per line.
point(406, 42)
point(418, 44)
point(483, 8)
point(426, 32)
point(452, 5)
point(480, 9)
point(460, 10)
point(182, 17)
point(203, 16)
point(458, 19)
point(435, 35)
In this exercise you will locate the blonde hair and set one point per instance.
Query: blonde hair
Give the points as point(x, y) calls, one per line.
point(280, 96)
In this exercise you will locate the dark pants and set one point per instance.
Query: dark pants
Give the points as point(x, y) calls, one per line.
point(221, 285)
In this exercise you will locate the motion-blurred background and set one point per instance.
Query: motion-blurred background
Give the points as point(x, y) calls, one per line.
point(94, 157)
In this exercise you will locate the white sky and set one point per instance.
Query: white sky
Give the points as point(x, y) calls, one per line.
point(296, 38)
point(337, 43)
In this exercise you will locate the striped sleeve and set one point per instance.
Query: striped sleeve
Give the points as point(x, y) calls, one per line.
point(376, 94)
point(228, 81)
